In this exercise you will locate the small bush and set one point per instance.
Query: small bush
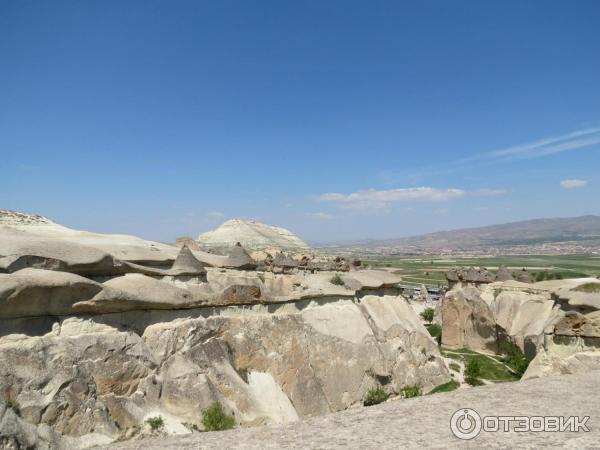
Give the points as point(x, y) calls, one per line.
point(446, 387)
point(337, 280)
point(454, 366)
point(215, 419)
point(473, 381)
point(513, 357)
point(427, 314)
point(436, 332)
point(375, 395)
point(472, 372)
point(411, 391)
point(156, 423)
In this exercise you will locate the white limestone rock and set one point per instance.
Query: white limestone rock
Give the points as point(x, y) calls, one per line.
point(252, 235)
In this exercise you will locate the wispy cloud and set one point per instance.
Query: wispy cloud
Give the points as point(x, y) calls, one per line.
point(215, 215)
point(321, 216)
point(573, 184)
point(543, 147)
point(373, 198)
point(553, 145)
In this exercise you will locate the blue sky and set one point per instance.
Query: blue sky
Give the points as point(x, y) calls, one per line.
point(337, 119)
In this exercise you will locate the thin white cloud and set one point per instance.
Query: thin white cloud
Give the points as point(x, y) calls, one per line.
point(542, 147)
point(373, 198)
point(321, 216)
point(215, 215)
point(572, 184)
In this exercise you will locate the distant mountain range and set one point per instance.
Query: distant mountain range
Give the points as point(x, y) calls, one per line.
point(563, 235)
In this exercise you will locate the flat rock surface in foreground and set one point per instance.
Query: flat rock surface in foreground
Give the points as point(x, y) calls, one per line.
point(422, 422)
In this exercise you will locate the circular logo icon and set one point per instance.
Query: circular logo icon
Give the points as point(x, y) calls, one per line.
point(465, 423)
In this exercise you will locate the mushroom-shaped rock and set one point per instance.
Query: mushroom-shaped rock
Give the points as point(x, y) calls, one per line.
point(136, 292)
point(472, 275)
point(523, 276)
point(39, 292)
point(284, 261)
point(185, 241)
point(485, 276)
point(239, 258)
point(187, 264)
point(452, 276)
point(503, 274)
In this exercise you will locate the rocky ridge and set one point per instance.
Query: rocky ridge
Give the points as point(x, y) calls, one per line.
point(96, 337)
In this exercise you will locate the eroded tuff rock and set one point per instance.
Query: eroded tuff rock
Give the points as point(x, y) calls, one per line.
point(87, 360)
point(39, 292)
point(139, 292)
point(467, 320)
point(552, 322)
point(479, 317)
point(85, 377)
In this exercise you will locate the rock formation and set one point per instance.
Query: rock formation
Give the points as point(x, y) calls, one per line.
point(477, 276)
point(93, 343)
point(552, 322)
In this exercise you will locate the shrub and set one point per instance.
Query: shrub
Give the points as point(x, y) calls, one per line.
point(411, 391)
point(473, 381)
point(427, 314)
point(375, 395)
point(337, 280)
point(156, 423)
point(513, 357)
point(436, 332)
point(446, 387)
point(472, 372)
point(455, 366)
point(215, 419)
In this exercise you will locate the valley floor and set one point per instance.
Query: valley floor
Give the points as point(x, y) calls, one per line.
point(422, 422)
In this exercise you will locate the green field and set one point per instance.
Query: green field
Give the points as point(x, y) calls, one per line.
point(430, 270)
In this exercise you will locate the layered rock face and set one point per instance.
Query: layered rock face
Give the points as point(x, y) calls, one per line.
point(553, 322)
point(87, 359)
point(252, 235)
